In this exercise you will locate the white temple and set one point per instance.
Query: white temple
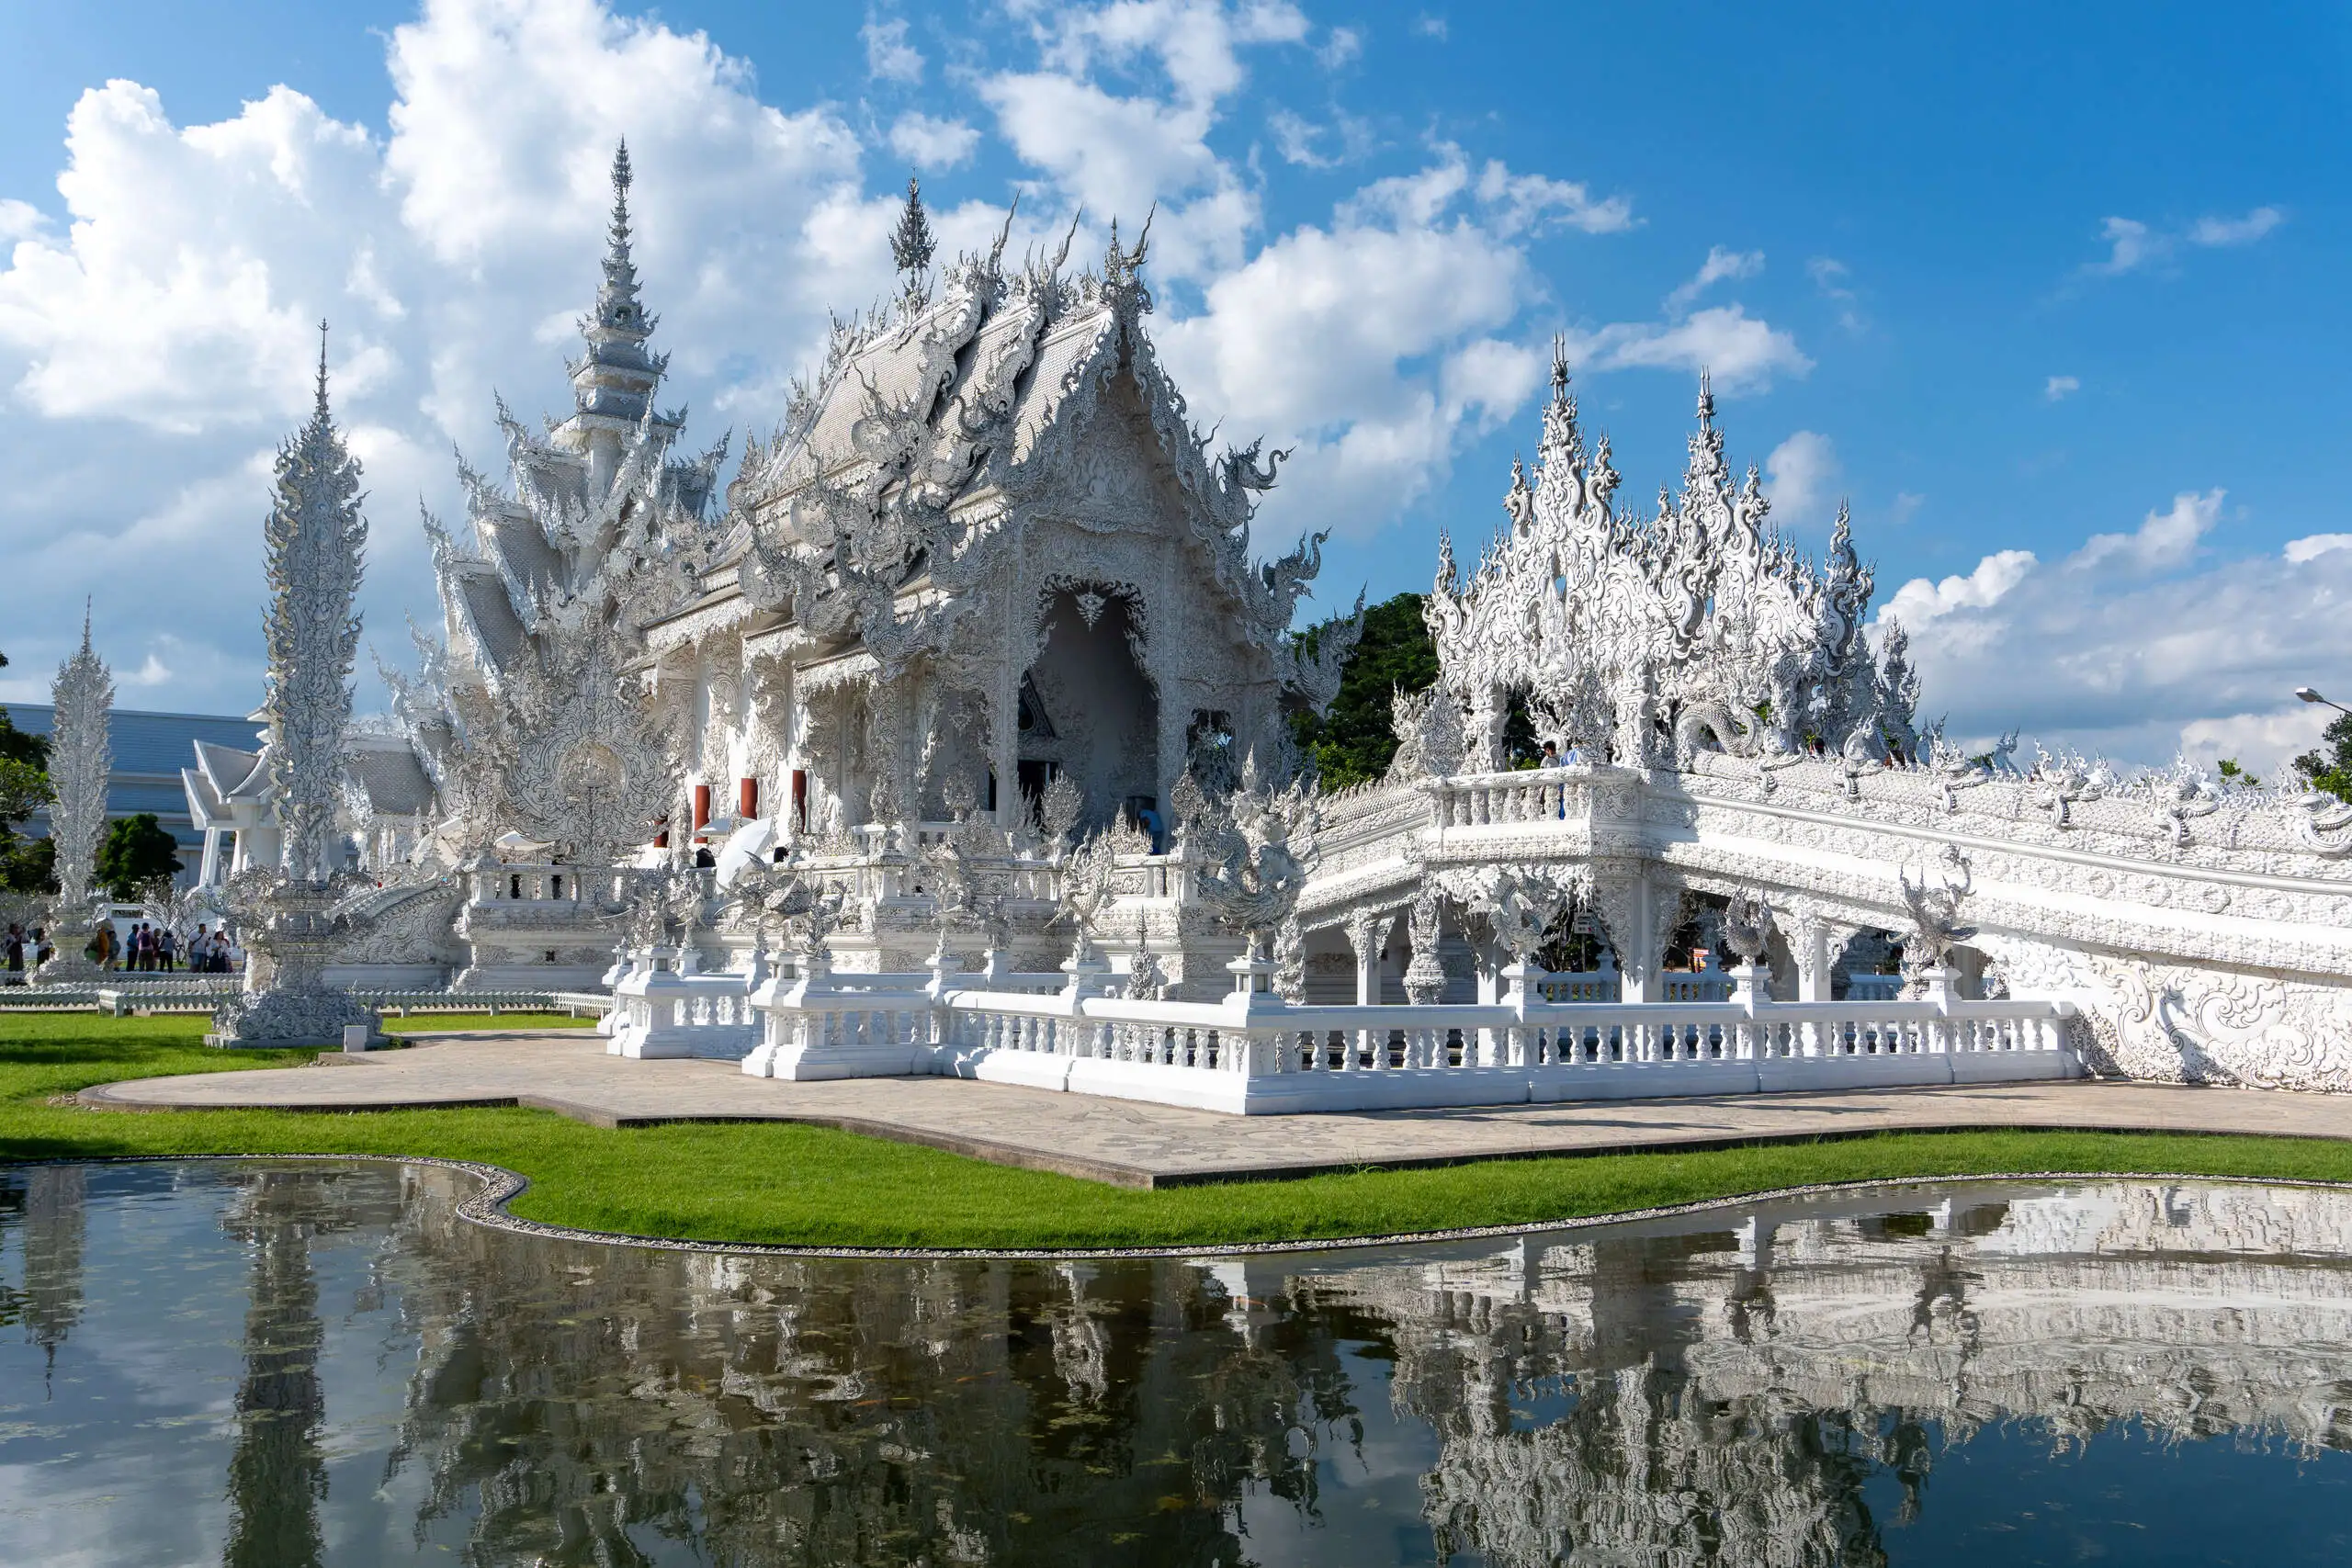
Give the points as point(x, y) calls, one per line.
point(954, 738)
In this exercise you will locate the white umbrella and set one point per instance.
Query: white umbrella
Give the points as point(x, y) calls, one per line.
point(746, 847)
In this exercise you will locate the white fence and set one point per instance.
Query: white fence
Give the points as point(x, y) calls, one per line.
point(1253, 1055)
point(663, 1005)
point(204, 993)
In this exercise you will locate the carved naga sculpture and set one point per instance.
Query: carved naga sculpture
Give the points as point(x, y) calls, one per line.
point(1748, 926)
point(1936, 925)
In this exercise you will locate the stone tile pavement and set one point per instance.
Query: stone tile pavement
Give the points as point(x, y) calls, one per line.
point(1136, 1145)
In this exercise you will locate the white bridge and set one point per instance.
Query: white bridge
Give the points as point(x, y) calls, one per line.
point(2104, 929)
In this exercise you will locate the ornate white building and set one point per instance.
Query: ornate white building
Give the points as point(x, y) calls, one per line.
point(975, 652)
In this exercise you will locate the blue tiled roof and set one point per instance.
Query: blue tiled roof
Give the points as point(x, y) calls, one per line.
point(150, 749)
point(157, 743)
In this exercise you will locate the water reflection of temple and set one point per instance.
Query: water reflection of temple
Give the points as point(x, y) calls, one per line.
point(50, 1215)
point(827, 1412)
point(1776, 1388)
point(1655, 1395)
point(1723, 1396)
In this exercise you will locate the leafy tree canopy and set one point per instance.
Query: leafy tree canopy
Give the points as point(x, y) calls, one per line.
point(1352, 743)
point(16, 746)
point(27, 865)
point(137, 851)
point(2330, 767)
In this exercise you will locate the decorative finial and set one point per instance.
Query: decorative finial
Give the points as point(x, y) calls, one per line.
point(996, 252)
point(911, 246)
point(1559, 368)
point(621, 178)
point(86, 623)
point(323, 365)
point(1706, 400)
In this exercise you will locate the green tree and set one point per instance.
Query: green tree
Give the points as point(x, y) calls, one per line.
point(27, 865)
point(2330, 768)
point(1352, 742)
point(136, 852)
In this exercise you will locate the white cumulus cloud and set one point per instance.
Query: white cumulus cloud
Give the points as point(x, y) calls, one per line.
point(2163, 538)
point(929, 143)
point(1800, 477)
point(1720, 264)
point(159, 343)
point(2134, 246)
point(2312, 546)
point(1743, 351)
point(889, 56)
point(2137, 643)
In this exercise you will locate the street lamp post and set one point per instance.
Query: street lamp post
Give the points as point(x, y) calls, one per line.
point(2311, 696)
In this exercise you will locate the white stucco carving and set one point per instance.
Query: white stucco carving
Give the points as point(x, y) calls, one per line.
point(982, 620)
point(80, 759)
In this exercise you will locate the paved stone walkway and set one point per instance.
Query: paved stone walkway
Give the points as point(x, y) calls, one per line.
point(1136, 1145)
point(1157, 1145)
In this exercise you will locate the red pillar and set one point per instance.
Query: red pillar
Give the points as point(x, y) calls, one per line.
point(747, 798)
point(702, 807)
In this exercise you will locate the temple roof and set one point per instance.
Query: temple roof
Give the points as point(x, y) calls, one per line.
point(612, 383)
point(392, 779)
point(939, 361)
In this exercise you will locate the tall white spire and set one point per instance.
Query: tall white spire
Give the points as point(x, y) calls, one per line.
point(315, 538)
point(80, 760)
point(612, 383)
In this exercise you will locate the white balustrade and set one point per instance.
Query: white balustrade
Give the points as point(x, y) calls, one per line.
point(662, 1007)
point(1533, 795)
point(517, 883)
point(1251, 1054)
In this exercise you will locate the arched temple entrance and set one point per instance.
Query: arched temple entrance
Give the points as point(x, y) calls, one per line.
point(1087, 707)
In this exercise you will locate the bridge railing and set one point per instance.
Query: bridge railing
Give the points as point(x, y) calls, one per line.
point(1490, 800)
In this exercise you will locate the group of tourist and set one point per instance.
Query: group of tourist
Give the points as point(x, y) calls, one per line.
point(147, 950)
point(21, 949)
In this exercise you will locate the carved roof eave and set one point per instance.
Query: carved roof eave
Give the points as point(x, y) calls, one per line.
point(780, 641)
point(714, 612)
point(842, 669)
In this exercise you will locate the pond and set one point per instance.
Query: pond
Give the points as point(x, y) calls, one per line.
point(281, 1363)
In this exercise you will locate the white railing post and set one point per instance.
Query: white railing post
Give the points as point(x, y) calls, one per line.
point(1941, 994)
point(1747, 991)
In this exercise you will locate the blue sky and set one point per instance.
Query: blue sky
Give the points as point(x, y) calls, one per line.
point(2015, 280)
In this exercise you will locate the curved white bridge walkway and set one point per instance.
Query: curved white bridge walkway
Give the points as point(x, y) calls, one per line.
point(1137, 1145)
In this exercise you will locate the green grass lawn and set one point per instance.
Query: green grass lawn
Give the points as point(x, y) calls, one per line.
point(426, 1022)
point(778, 1182)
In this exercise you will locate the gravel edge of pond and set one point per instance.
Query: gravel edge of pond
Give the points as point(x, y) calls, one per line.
point(486, 1206)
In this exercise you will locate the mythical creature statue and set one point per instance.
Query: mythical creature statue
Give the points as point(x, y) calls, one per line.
point(1936, 924)
point(1085, 888)
point(1748, 925)
point(1246, 849)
